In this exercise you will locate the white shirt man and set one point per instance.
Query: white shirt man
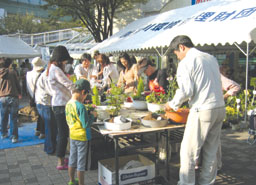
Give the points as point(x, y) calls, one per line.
point(199, 83)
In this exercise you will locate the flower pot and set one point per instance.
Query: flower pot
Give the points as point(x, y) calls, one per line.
point(154, 107)
point(154, 123)
point(180, 116)
point(140, 105)
point(128, 104)
point(117, 126)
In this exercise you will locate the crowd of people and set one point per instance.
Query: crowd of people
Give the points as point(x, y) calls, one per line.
point(60, 99)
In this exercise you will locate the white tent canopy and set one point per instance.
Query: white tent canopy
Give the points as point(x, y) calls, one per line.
point(217, 22)
point(11, 47)
point(76, 50)
point(212, 23)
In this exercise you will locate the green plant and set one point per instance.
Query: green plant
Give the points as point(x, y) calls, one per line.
point(173, 86)
point(232, 115)
point(160, 96)
point(253, 82)
point(95, 97)
point(157, 97)
point(115, 98)
point(140, 90)
point(90, 107)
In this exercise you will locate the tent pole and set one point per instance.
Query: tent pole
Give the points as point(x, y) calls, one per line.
point(246, 78)
point(157, 52)
point(162, 56)
point(252, 50)
point(246, 82)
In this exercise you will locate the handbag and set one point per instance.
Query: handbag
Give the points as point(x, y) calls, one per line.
point(32, 102)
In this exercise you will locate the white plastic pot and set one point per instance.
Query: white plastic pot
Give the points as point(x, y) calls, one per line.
point(117, 126)
point(140, 105)
point(128, 104)
point(154, 123)
point(154, 107)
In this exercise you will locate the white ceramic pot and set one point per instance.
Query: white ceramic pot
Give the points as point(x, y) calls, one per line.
point(128, 104)
point(117, 126)
point(154, 107)
point(140, 105)
point(154, 123)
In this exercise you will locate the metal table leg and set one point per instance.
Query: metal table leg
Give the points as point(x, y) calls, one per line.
point(116, 159)
point(167, 154)
point(157, 154)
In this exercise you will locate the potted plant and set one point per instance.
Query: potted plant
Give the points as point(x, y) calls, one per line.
point(156, 100)
point(115, 99)
point(181, 115)
point(233, 118)
point(139, 99)
point(101, 109)
point(95, 96)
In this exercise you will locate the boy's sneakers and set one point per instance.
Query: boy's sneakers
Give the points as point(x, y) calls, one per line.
point(74, 183)
point(14, 140)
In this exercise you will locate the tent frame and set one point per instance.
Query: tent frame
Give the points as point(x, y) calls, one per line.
point(247, 54)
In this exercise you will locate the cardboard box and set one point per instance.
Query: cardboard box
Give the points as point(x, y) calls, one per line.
point(106, 170)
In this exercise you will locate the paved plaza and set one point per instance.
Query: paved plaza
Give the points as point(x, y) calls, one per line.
point(31, 165)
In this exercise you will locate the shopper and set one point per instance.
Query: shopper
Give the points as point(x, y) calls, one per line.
point(199, 82)
point(85, 68)
point(157, 78)
point(109, 71)
point(31, 79)
point(10, 93)
point(43, 99)
point(79, 121)
point(129, 74)
point(61, 88)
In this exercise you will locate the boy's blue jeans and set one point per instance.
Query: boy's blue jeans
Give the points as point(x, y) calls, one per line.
point(9, 107)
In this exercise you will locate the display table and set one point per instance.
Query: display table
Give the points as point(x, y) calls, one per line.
point(136, 129)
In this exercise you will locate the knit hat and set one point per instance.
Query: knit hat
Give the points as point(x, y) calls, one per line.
point(83, 84)
point(38, 64)
point(60, 54)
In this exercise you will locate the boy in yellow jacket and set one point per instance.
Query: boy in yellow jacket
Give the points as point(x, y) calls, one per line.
point(79, 122)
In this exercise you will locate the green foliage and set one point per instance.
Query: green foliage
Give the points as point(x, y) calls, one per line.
point(95, 15)
point(173, 86)
point(115, 98)
point(15, 23)
point(253, 82)
point(140, 90)
point(157, 97)
point(232, 115)
point(231, 101)
point(95, 97)
point(160, 97)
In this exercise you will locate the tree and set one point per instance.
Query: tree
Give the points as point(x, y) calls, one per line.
point(27, 24)
point(95, 15)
